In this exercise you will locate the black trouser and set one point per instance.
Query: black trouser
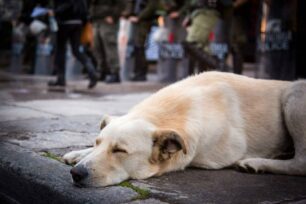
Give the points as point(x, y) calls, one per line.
point(70, 33)
point(140, 33)
point(29, 57)
point(141, 66)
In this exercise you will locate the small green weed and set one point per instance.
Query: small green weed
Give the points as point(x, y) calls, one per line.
point(51, 156)
point(142, 193)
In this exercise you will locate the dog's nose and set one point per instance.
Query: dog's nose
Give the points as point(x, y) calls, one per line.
point(78, 173)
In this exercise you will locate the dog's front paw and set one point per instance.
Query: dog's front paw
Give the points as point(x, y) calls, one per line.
point(72, 158)
point(250, 166)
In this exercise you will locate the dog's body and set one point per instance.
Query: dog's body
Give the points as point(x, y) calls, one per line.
point(212, 120)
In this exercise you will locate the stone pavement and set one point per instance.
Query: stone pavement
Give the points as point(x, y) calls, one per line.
point(38, 126)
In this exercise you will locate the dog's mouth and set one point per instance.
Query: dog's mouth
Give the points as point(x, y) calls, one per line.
point(79, 185)
point(83, 185)
point(86, 184)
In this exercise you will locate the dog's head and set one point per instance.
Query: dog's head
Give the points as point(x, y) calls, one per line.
point(127, 148)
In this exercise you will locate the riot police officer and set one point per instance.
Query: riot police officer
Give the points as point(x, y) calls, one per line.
point(105, 15)
point(202, 18)
point(140, 13)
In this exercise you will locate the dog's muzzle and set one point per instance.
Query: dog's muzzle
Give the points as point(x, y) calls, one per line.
point(78, 173)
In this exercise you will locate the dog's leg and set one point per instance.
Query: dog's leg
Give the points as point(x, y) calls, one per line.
point(294, 108)
point(76, 156)
point(259, 165)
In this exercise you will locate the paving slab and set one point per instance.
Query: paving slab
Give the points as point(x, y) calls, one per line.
point(225, 186)
point(27, 177)
point(116, 105)
point(11, 113)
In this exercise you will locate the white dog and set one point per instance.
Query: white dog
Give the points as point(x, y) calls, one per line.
point(212, 120)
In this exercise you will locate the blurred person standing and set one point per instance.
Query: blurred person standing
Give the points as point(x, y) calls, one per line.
point(105, 15)
point(9, 12)
point(200, 22)
point(276, 40)
point(172, 63)
point(239, 34)
point(31, 41)
point(71, 15)
point(140, 13)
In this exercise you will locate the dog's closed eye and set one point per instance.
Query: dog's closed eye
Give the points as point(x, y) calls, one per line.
point(119, 150)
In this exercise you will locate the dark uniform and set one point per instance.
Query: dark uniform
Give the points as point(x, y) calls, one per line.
point(204, 15)
point(144, 10)
point(105, 36)
point(71, 15)
point(173, 19)
point(239, 33)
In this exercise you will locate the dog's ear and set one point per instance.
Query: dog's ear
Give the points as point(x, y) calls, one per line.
point(105, 121)
point(165, 144)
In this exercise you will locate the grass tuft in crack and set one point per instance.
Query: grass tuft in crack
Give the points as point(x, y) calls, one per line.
point(51, 156)
point(142, 193)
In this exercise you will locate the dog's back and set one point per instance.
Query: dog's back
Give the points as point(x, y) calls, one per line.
point(246, 110)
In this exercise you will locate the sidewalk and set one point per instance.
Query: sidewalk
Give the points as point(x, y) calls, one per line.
point(38, 126)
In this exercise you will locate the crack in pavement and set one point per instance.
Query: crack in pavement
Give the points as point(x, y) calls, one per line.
point(31, 108)
point(297, 199)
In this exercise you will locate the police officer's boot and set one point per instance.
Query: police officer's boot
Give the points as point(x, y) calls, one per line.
point(206, 60)
point(60, 81)
point(237, 60)
point(103, 70)
point(93, 79)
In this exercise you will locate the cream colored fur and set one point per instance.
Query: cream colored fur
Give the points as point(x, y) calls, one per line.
point(212, 120)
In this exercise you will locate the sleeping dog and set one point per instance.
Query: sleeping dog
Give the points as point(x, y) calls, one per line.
point(212, 120)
